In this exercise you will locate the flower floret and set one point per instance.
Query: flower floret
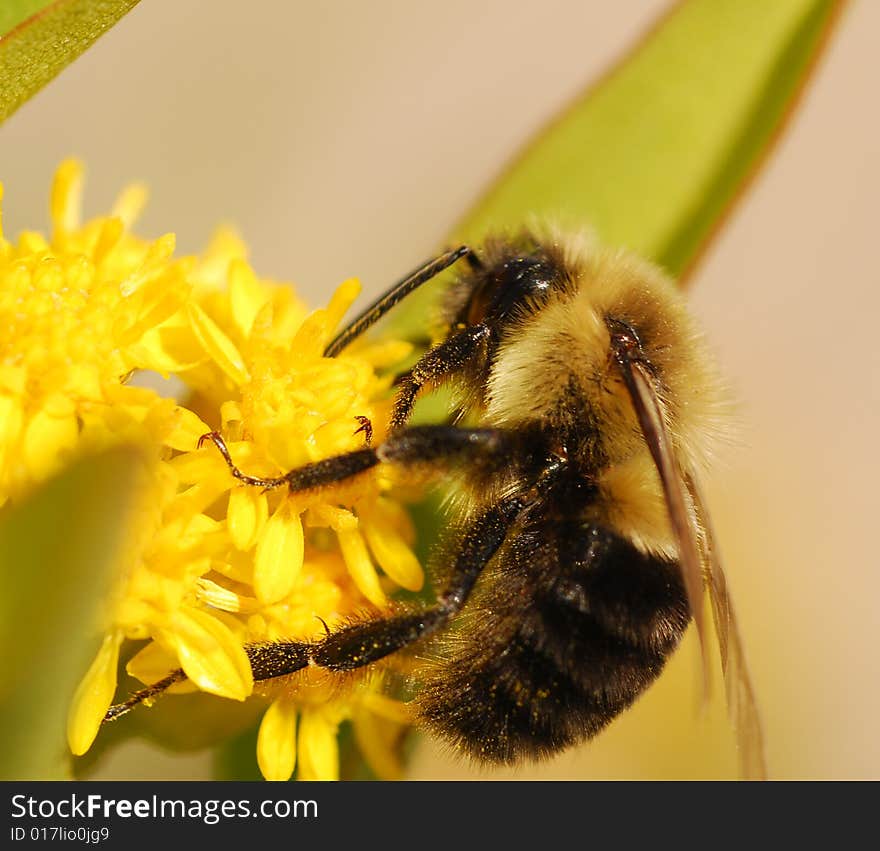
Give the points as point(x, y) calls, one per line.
point(96, 318)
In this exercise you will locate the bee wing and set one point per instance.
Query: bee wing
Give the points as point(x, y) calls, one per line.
point(649, 411)
point(698, 556)
point(741, 704)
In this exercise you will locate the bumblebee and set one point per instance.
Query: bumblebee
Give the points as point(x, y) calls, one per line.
point(585, 405)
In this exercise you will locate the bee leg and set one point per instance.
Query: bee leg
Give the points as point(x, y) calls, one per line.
point(365, 642)
point(366, 426)
point(437, 363)
point(369, 641)
point(157, 688)
point(218, 441)
point(442, 445)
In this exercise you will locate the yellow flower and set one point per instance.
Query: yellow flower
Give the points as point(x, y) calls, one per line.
point(209, 565)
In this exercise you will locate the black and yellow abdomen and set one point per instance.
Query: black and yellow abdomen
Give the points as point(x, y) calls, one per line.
point(566, 632)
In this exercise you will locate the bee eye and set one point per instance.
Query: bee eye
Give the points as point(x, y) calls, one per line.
point(625, 341)
point(626, 346)
point(512, 286)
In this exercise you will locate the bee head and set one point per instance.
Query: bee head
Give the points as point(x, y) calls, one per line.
point(563, 365)
point(508, 288)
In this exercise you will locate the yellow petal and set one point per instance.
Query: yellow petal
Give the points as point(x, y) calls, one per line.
point(359, 565)
point(225, 246)
point(279, 319)
point(279, 555)
point(393, 555)
point(276, 741)
point(46, 439)
point(379, 743)
point(311, 336)
point(333, 516)
point(154, 264)
point(157, 301)
point(341, 301)
point(48, 275)
point(200, 467)
point(84, 382)
point(217, 344)
point(388, 708)
point(210, 654)
point(108, 239)
point(13, 379)
point(66, 198)
point(246, 295)
point(188, 428)
point(59, 405)
point(152, 663)
point(230, 412)
point(127, 207)
point(11, 421)
point(166, 349)
point(218, 597)
point(94, 696)
point(31, 242)
point(196, 499)
point(385, 354)
point(318, 748)
point(246, 516)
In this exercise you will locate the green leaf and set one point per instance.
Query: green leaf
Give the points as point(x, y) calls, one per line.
point(42, 38)
point(654, 155)
point(13, 12)
point(236, 758)
point(658, 151)
point(56, 554)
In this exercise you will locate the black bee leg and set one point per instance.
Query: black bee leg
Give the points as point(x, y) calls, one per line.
point(220, 443)
point(436, 364)
point(442, 445)
point(363, 643)
point(315, 475)
point(395, 294)
point(431, 445)
point(367, 428)
point(157, 688)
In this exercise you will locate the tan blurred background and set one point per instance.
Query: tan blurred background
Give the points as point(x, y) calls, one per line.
point(344, 138)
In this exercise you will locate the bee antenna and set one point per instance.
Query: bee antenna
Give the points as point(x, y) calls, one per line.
point(395, 294)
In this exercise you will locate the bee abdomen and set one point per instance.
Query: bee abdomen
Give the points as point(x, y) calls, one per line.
point(523, 702)
point(569, 662)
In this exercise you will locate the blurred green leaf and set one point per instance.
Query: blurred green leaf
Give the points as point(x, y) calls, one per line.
point(657, 152)
point(42, 38)
point(236, 758)
point(13, 12)
point(56, 554)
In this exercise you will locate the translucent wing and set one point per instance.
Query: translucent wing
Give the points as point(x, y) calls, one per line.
point(741, 704)
point(700, 565)
point(652, 422)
